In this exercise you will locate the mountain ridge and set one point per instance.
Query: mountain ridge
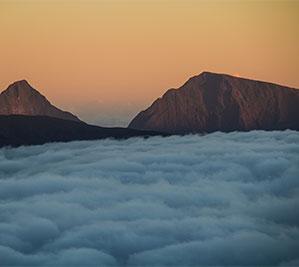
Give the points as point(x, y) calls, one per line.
point(238, 77)
point(18, 130)
point(211, 102)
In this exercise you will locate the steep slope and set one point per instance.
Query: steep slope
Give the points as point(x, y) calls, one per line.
point(16, 130)
point(21, 99)
point(218, 102)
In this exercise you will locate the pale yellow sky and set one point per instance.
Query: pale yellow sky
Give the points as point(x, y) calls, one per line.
point(127, 53)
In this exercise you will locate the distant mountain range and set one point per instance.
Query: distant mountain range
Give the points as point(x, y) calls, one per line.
point(218, 102)
point(20, 98)
point(205, 103)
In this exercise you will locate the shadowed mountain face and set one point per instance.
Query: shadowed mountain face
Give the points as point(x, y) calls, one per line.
point(21, 99)
point(217, 102)
point(16, 130)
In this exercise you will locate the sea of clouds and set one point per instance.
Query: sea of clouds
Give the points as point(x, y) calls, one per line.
point(213, 200)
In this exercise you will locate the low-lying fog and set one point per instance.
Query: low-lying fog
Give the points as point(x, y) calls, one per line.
point(219, 199)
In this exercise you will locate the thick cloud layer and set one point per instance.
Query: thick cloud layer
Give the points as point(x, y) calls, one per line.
point(219, 199)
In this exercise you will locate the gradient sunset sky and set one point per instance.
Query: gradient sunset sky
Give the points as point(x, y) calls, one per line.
point(107, 60)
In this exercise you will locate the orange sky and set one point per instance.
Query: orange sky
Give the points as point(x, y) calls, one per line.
point(112, 58)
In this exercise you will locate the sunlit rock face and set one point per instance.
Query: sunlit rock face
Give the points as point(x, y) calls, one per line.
point(21, 99)
point(218, 102)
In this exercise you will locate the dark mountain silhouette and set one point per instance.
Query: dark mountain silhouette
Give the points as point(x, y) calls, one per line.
point(218, 102)
point(21, 99)
point(16, 130)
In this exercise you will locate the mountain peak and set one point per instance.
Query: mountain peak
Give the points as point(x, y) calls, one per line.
point(20, 98)
point(21, 87)
point(215, 74)
point(204, 73)
point(20, 84)
point(208, 75)
point(212, 102)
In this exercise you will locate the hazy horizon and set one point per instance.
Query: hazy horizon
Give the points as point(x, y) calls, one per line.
point(107, 60)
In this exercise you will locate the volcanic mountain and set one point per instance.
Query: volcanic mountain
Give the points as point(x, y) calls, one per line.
point(219, 102)
point(21, 99)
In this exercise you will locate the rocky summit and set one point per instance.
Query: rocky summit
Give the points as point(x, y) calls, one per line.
point(219, 102)
point(20, 98)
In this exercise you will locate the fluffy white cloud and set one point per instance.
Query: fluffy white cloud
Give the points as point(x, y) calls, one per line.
point(218, 199)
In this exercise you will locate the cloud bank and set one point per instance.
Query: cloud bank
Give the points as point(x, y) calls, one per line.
point(214, 200)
